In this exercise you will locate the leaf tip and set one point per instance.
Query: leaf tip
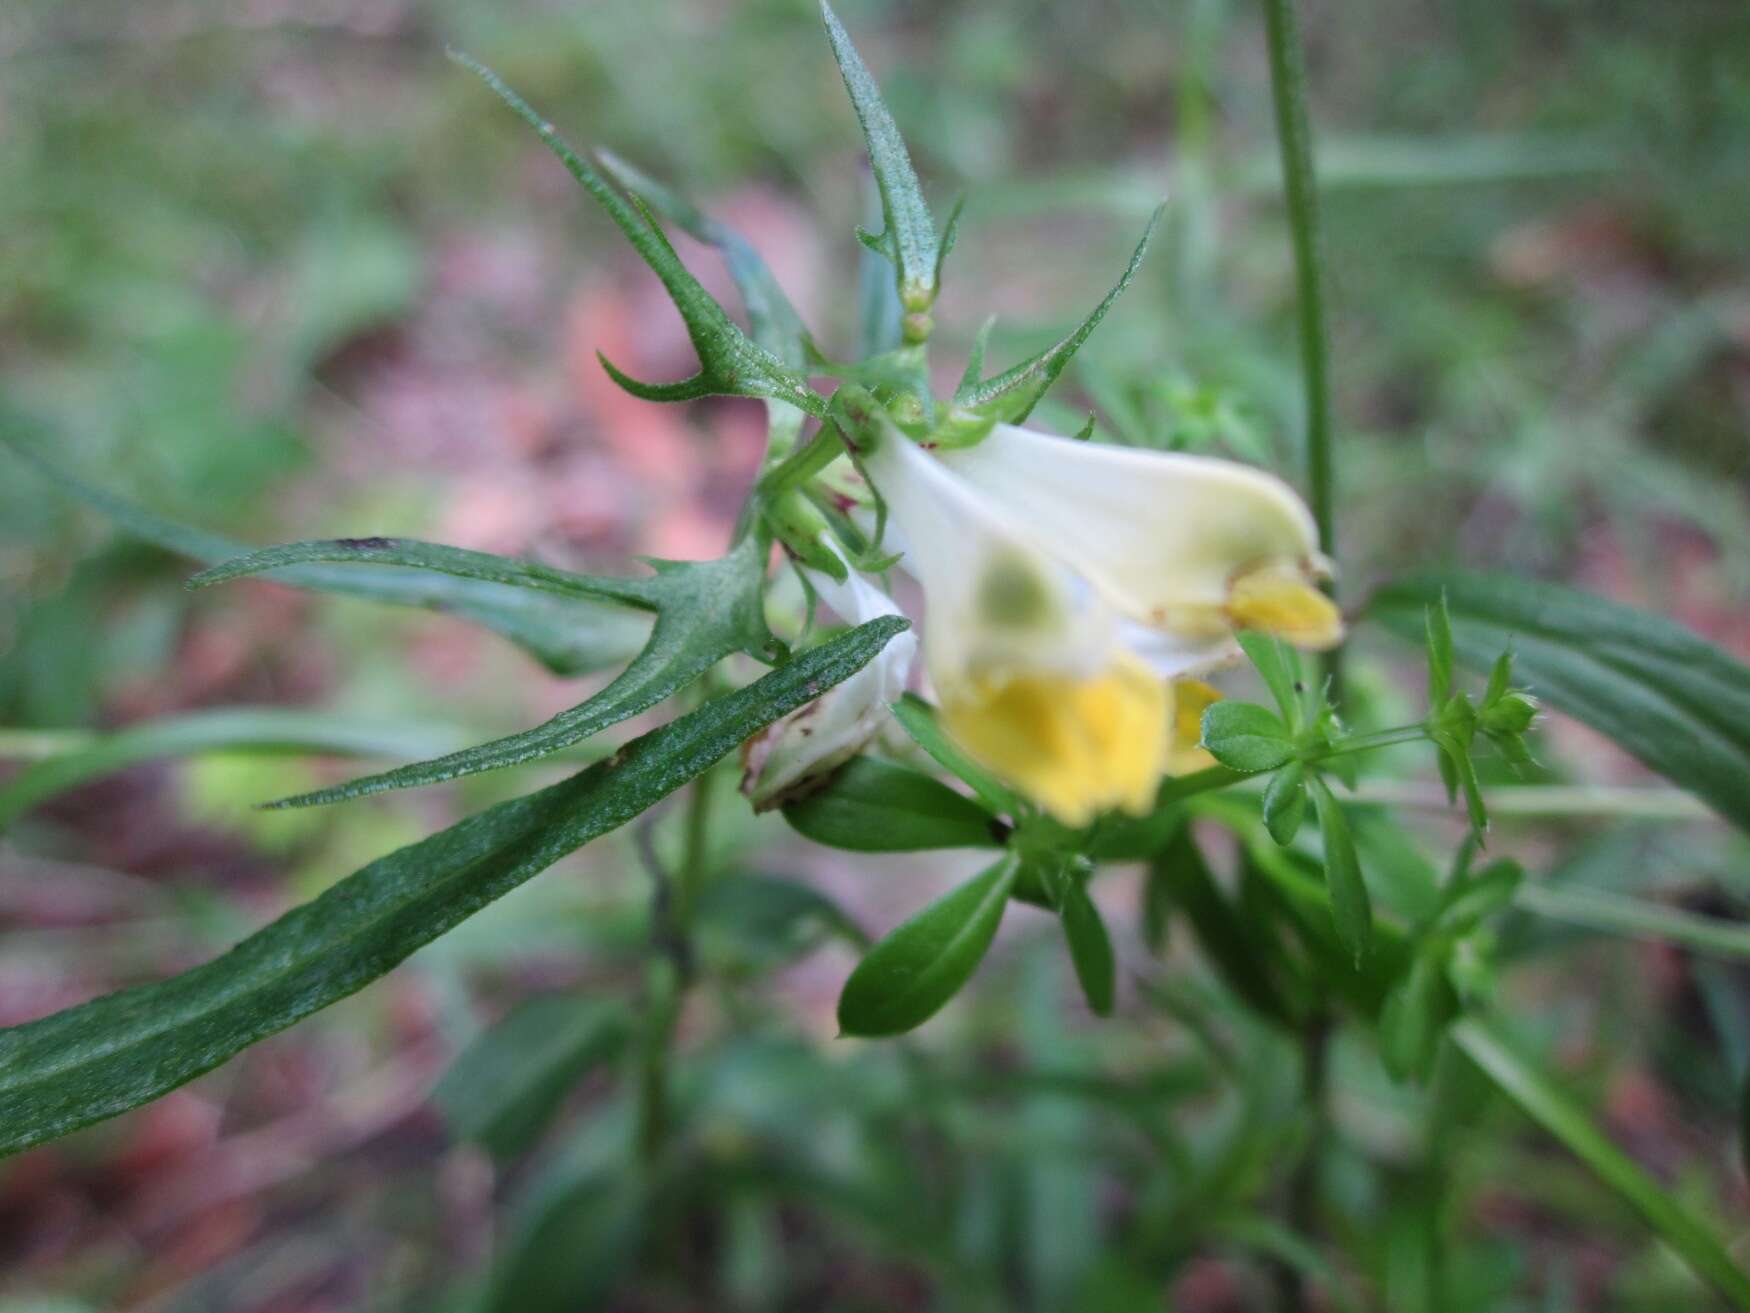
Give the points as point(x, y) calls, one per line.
point(686, 390)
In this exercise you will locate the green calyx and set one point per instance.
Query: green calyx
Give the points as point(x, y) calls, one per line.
point(795, 521)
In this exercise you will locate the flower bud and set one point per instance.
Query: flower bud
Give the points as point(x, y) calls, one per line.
point(1512, 713)
point(792, 755)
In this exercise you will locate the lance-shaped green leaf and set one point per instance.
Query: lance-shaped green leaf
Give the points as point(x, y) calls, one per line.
point(754, 922)
point(1678, 703)
point(122, 1050)
point(908, 237)
point(264, 730)
point(878, 309)
point(876, 806)
point(1012, 394)
point(1470, 899)
point(1437, 627)
point(1285, 803)
point(569, 634)
point(1299, 888)
point(975, 354)
point(1234, 945)
point(907, 977)
point(1414, 1015)
point(1351, 908)
point(1090, 947)
point(705, 611)
point(730, 363)
point(1458, 770)
point(1542, 1097)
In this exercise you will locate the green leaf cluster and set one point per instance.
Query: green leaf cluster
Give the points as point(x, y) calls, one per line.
point(1455, 720)
point(1678, 703)
point(1299, 741)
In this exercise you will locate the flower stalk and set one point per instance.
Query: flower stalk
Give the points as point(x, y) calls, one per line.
point(1300, 187)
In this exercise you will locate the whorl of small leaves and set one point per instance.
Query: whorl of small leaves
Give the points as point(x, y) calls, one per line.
point(1678, 703)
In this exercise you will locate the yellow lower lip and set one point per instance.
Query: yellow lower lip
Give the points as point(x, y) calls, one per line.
point(1076, 747)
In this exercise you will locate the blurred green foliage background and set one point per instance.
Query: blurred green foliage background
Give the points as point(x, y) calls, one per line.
point(284, 271)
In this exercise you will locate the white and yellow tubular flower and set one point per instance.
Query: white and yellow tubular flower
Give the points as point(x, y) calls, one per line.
point(1068, 583)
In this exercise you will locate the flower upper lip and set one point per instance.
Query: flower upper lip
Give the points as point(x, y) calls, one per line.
point(1128, 546)
point(1153, 530)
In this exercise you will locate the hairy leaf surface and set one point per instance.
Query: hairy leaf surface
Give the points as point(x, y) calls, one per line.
point(706, 610)
point(124, 1049)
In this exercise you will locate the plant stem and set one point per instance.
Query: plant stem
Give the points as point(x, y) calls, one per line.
point(669, 972)
point(694, 855)
point(40, 744)
point(803, 462)
point(1300, 186)
point(1383, 738)
point(662, 998)
point(1301, 1205)
point(1545, 800)
point(1176, 787)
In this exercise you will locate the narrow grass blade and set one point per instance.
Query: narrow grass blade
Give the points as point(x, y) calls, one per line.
point(1636, 918)
point(568, 635)
point(264, 730)
point(458, 562)
point(1544, 1100)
